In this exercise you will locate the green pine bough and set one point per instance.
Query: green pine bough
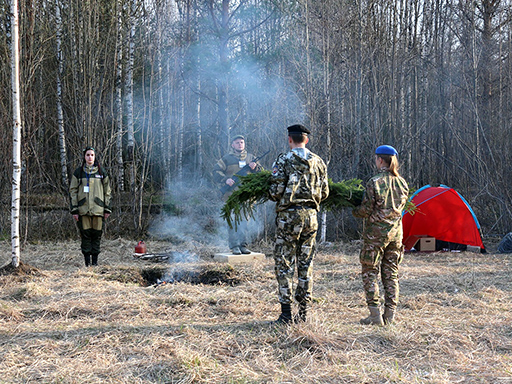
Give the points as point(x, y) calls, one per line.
point(254, 188)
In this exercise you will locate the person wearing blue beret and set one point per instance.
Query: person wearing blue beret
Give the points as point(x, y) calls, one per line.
point(384, 199)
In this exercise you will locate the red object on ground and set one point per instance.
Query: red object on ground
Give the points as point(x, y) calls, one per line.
point(140, 247)
point(444, 214)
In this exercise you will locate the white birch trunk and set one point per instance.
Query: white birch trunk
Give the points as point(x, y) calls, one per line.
point(119, 97)
point(199, 133)
point(327, 95)
point(162, 122)
point(161, 112)
point(60, 114)
point(16, 148)
point(129, 96)
point(180, 136)
point(199, 144)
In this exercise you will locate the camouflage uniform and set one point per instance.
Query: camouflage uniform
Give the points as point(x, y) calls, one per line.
point(299, 184)
point(382, 206)
point(225, 168)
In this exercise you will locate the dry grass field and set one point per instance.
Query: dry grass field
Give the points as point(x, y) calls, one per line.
point(64, 323)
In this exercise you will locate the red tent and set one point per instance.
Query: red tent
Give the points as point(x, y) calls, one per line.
point(444, 214)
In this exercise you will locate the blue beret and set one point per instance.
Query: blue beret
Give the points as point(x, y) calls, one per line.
point(298, 128)
point(386, 150)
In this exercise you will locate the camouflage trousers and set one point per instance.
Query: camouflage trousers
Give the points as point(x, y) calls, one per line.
point(295, 244)
point(383, 257)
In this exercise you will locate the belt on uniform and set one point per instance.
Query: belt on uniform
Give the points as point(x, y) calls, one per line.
point(297, 207)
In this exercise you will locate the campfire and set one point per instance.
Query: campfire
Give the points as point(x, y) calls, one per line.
point(199, 273)
point(185, 267)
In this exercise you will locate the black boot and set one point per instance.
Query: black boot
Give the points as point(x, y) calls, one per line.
point(286, 315)
point(94, 259)
point(87, 259)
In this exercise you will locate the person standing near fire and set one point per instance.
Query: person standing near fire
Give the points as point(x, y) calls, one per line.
point(383, 202)
point(90, 195)
point(223, 173)
point(298, 184)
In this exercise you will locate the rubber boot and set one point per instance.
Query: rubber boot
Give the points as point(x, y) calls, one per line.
point(388, 316)
point(286, 315)
point(87, 259)
point(375, 317)
point(94, 259)
point(302, 315)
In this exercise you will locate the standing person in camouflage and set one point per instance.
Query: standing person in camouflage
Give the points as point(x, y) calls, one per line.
point(382, 206)
point(223, 173)
point(299, 183)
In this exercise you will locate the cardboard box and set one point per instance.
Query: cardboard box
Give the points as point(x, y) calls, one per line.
point(426, 244)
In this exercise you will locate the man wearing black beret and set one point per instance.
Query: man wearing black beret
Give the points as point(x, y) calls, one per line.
point(299, 183)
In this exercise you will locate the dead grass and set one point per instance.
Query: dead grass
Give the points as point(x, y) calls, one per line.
point(70, 324)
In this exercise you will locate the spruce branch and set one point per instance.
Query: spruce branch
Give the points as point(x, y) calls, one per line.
point(254, 187)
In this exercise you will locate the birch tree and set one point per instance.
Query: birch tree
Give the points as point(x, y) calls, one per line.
point(16, 113)
point(129, 95)
point(119, 96)
point(60, 114)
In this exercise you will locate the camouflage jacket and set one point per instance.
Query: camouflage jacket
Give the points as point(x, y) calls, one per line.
point(96, 202)
point(298, 181)
point(383, 202)
point(230, 164)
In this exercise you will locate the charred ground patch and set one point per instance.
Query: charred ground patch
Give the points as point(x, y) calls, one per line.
point(210, 274)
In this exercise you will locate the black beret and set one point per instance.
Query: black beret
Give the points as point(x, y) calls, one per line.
point(298, 129)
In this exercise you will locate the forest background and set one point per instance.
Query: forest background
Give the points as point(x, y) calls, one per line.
point(158, 87)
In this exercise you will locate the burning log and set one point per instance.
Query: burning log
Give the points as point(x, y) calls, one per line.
point(159, 283)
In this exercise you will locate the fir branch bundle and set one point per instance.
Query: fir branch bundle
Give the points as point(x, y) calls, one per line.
point(254, 189)
point(346, 193)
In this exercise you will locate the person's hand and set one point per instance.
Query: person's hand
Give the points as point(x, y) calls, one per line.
point(230, 182)
point(252, 165)
point(75, 217)
point(106, 215)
